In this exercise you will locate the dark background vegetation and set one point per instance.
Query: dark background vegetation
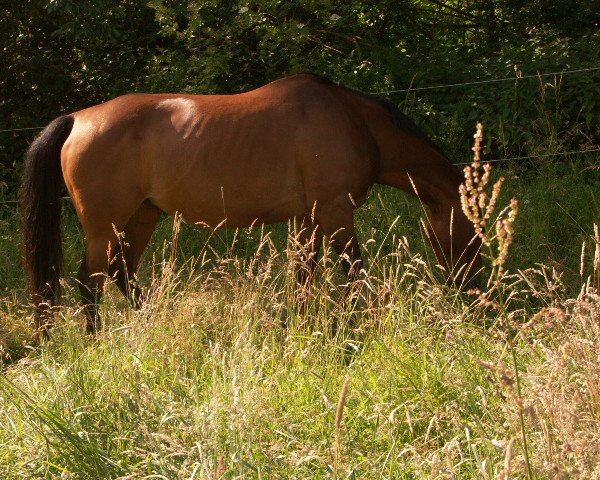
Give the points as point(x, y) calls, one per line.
point(57, 56)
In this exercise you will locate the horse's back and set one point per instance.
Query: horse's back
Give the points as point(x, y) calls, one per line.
point(264, 155)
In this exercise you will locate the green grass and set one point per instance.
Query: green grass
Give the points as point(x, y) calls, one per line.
point(200, 377)
point(203, 380)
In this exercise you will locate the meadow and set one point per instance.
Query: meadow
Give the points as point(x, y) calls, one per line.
point(421, 380)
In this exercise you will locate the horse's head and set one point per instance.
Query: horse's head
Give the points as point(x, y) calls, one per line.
point(457, 246)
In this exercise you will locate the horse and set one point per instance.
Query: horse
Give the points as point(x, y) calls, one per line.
point(301, 147)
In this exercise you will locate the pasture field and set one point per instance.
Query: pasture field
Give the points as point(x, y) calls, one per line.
point(203, 382)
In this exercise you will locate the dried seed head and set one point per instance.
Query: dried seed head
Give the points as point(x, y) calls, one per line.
point(339, 412)
point(582, 260)
point(477, 145)
point(479, 206)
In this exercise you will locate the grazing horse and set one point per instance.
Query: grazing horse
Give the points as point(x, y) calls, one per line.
point(301, 148)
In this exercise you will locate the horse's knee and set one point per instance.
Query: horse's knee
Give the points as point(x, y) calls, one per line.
point(91, 278)
point(90, 290)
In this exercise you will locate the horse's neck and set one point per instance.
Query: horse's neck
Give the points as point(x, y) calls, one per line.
point(415, 166)
point(407, 159)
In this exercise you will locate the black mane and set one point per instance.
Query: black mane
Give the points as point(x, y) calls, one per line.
point(400, 120)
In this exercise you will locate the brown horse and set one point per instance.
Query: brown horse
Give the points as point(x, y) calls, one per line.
point(301, 148)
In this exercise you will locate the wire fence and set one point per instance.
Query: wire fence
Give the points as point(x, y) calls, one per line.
point(20, 129)
point(432, 87)
point(15, 202)
point(542, 155)
point(491, 80)
point(494, 160)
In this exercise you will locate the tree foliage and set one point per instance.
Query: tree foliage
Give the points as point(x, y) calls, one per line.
point(62, 55)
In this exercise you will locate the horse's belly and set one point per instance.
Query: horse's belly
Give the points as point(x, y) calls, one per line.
point(235, 207)
point(237, 179)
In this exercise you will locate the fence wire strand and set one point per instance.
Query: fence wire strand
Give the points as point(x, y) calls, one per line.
point(20, 129)
point(527, 157)
point(491, 80)
point(494, 160)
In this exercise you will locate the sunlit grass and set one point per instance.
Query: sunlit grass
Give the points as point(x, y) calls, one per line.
point(204, 382)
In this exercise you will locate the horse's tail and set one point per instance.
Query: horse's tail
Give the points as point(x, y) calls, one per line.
point(41, 207)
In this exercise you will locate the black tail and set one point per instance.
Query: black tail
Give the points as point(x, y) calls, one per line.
point(41, 208)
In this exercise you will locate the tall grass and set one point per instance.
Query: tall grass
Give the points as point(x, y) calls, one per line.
point(203, 382)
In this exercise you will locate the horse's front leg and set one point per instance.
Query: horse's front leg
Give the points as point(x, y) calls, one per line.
point(337, 220)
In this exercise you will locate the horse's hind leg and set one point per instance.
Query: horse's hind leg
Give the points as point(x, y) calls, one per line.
point(92, 275)
point(128, 251)
point(102, 244)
